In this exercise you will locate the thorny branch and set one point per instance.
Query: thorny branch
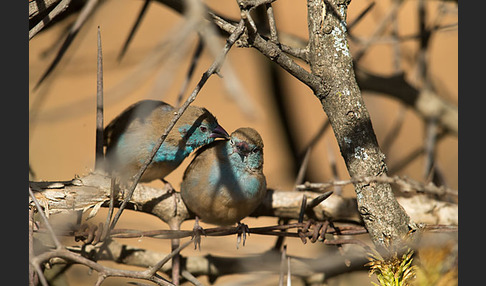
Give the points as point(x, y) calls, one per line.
point(93, 190)
point(406, 185)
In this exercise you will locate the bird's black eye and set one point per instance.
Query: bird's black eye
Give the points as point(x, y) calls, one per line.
point(203, 128)
point(254, 150)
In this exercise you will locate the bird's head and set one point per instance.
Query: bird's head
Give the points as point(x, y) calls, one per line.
point(199, 127)
point(248, 144)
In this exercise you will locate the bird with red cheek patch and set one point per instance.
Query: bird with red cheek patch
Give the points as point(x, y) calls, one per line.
point(225, 182)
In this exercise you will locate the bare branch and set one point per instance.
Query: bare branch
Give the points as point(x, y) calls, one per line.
point(378, 30)
point(99, 157)
point(39, 6)
point(134, 29)
point(271, 23)
point(45, 220)
point(407, 185)
point(85, 192)
point(427, 104)
point(87, 10)
point(102, 270)
point(275, 54)
point(32, 276)
point(56, 11)
point(215, 266)
point(331, 60)
point(251, 4)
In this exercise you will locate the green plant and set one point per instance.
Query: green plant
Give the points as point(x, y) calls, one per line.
point(394, 270)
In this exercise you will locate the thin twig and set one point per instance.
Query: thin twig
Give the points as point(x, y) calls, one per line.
point(271, 23)
point(289, 274)
point(63, 5)
point(99, 157)
point(103, 270)
point(45, 220)
point(397, 57)
point(274, 53)
point(378, 30)
point(251, 4)
point(430, 147)
point(300, 53)
point(235, 89)
point(32, 276)
point(174, 252)
point(83, 16)
point(303, 167)
point(40, 274)
point(421, 65)
point(414, 154)
point(191, 278)
point(360, 16)
point(392, 135)
point(110, 208)
point(282, 265)
point(37, 7)
point(194, 60)
point(407, 184)
point(175, 224)
point(134, 29)
point(325, 125)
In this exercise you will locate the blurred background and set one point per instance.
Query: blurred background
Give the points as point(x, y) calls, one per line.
point(282, 109)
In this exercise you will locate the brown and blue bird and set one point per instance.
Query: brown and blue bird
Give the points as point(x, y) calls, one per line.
point(131, 136)
point(225, 182)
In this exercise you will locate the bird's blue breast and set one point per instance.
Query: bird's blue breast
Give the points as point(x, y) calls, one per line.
point(169, 153)
point(166, 152)
point(251, 185)
point(234, 179)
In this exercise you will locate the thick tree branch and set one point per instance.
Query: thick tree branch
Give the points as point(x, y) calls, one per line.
point(86, 192)
point(330, 59)
point(273, 52)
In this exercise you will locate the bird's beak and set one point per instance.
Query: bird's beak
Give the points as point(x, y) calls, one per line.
point(219, 132)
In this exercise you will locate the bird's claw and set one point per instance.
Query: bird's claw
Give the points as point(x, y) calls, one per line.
point(197, 231)
point(242, 229)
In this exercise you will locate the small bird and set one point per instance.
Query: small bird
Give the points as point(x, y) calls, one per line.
point(225, 182)
point(131, 136)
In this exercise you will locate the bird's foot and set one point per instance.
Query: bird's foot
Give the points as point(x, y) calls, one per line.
point(120, 187)
point(197, 232)
point(242, 229)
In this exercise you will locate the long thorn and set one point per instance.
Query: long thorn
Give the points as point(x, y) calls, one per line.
point(99, 107)
point(133, 30)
